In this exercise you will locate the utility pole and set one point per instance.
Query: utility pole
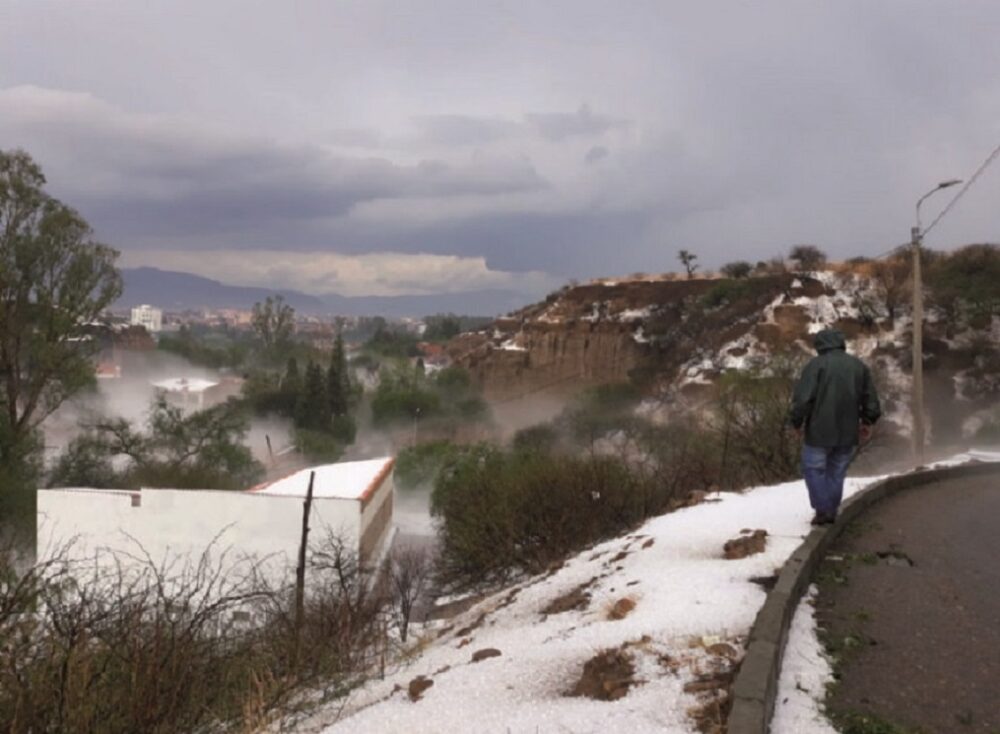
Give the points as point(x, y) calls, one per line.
point(917, 406)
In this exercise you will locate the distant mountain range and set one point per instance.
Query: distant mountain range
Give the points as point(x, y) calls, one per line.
point(173, 291)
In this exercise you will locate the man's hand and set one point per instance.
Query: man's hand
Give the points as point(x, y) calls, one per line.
point(865, 431)
point(796, 431)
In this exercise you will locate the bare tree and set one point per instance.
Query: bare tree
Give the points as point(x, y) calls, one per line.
point(893, 280)
point(410, 569)
point(687, 259)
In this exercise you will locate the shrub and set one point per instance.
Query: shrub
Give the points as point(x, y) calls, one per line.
point(198, 348)
point(419, 465)
point(507, 512)
point(389, 342)
point(727, 291)
point(967, 283)
point(807, 257)
point(394, 402)
point(751, 414)
point(318, 445)
point(543, 438)
point(597, 411)
point(344, 429)
point(737, 269)
point(774, 266)
point(406, 394)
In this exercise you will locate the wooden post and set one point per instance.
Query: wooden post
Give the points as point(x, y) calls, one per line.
point(300, 572)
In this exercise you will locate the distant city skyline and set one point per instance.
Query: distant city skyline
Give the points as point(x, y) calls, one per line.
point(382, 149)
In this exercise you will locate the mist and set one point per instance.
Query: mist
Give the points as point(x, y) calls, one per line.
point(131, 396)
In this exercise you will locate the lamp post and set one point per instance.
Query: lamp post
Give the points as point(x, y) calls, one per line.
point(917, 406)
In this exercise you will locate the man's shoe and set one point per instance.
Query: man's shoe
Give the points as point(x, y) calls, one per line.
point(821, 518)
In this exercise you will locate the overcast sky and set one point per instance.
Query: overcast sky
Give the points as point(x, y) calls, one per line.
point(409, 147)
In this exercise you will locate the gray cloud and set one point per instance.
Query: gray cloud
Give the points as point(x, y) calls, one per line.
point(464, 129)
point(156, 177)
point(595, 154)
point(366, 128)
point(583, 122)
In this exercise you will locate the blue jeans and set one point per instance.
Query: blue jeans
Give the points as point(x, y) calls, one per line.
point(824, 469)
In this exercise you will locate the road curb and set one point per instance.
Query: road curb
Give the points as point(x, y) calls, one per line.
point(756, 685)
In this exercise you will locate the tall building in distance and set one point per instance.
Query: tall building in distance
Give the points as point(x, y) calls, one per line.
point(146, 315)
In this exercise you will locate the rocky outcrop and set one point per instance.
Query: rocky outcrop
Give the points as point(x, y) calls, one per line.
point(675, 338)
point(604, 332)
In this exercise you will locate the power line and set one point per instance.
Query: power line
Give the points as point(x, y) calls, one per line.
point(992, 156)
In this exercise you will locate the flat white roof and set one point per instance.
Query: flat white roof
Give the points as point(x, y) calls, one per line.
point(348, 480)
point(185, 384)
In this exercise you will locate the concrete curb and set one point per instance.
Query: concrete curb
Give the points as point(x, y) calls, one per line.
point(756, 685)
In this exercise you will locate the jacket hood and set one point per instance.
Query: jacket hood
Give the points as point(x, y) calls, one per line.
point(828, 340)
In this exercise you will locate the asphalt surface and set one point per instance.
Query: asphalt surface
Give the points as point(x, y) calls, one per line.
point(910, 604)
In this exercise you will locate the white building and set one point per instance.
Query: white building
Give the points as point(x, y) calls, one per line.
point(147, 316)
point(187, 392)
point(351, 500)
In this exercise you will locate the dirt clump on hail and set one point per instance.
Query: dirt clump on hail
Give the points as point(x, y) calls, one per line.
point(606, 677)
point(621, 608)
point(417, 687)
point(576, 598)
point(485, 654)
point(748, 544)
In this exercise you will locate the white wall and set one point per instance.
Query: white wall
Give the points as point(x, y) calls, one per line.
point(169, 523)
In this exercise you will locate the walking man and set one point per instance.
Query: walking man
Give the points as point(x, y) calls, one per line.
point(833, 410)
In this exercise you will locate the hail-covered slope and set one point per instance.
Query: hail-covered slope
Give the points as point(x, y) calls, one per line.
point(692, 612)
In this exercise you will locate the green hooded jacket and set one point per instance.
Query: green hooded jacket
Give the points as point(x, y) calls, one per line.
point(833, 394)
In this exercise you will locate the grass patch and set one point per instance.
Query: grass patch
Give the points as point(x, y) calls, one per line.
point(854, 722)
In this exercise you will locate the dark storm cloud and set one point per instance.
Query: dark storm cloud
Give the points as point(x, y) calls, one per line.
point(571, 136)
point(164, 179)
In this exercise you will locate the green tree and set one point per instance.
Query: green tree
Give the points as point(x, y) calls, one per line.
point(201, 450)
point(338, 384)
point(55, 279)
point(313, 409)
point(273, 321)
point(687, 259)
point(291, 388)
point(442, 327)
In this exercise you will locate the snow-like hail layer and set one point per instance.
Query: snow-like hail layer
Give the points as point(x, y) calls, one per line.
point(684, 592)
point(805, 669)
point(805, 673)
point(851, 294)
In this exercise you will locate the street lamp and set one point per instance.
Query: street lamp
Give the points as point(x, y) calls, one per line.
point(917, 408)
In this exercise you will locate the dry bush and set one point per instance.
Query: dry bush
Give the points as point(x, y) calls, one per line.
point(128, 645)
point(409, 578)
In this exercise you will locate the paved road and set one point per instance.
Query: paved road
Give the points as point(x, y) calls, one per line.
point(915, 608)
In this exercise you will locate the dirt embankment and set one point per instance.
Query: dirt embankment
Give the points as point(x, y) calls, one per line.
point(596, 334)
